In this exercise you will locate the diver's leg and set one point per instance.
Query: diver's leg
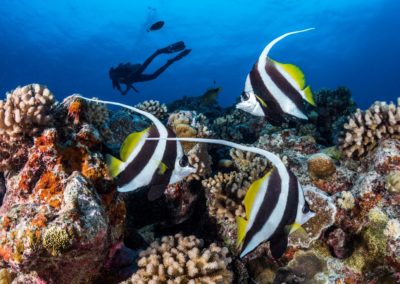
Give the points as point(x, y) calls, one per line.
point(175, 47)
point(147, 62)
point(147, 77)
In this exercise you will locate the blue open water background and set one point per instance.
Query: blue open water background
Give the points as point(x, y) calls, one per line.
point(70, 45)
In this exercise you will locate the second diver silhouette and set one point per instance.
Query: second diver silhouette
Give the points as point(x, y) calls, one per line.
point(128, 73)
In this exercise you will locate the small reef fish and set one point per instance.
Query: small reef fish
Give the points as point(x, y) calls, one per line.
point(145, 163)
point(273, 89)
point(156, 26)
point(210, 96)
point(275, 205)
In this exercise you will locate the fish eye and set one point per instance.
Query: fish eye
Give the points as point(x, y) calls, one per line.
point(306, 208)
point(245, 96)
point(183, 162)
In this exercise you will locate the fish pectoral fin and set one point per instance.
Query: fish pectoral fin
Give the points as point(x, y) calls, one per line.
point(131, 142)
point(278, 245)
point(114, 165)
point(262, 102)
point(155, 192)
point(294, 72)
point(241, 230)
point(294, 227)
point(162, 168)
point(308, 96)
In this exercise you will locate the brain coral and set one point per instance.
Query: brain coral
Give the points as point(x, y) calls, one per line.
point(365, 129)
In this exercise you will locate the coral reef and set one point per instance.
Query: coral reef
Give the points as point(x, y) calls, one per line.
point(62, 220)
point(154, 107)
point(333, 108)
point(365, 129)
point(238, 126)
point(61, 208)
point(179, 259)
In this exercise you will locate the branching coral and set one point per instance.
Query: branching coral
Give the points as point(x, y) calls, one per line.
point(365, 129)
point(26, 110)
point(226, 191)
point(179, 259)
point(23, 114)
point(200, 159)
point(189, 124)
point(154, 107)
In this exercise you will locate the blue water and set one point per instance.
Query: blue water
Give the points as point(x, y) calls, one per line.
point(70, 45)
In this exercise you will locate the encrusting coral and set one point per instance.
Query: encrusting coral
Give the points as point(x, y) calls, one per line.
point(179, 259)
point(154, 107)
point(365, 129)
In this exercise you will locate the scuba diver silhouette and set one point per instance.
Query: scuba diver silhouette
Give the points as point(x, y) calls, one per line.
point(128, 73)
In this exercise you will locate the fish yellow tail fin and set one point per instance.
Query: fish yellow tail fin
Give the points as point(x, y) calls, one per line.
point(241, 230)
point(308, 96)
point(114, 165)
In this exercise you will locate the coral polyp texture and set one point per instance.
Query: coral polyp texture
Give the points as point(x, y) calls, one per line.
point(179, 259)
point(365, 129)
point(25, 111)
point(154, 107)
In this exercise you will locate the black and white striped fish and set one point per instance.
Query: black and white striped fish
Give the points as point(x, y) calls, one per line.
point(148, 163)
point(275, 207)
point(273, 89)
point(274, 204)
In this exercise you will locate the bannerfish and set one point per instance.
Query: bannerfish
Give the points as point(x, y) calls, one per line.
point(274, 204)
point(148, 163)
point(156, 26)
point(273, 89)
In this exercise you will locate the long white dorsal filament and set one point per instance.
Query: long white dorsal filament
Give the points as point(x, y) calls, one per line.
point(274, 159)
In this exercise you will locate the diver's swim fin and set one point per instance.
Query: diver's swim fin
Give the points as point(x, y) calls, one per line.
point(182, 54)
point(175, 47)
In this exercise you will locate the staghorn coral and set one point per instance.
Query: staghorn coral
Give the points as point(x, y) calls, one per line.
point(365, 129)
point(26, 110)
point(179, 259)
point(154, 107)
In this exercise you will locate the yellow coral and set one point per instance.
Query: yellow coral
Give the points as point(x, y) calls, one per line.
point(392, 182)
point(56, 240)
